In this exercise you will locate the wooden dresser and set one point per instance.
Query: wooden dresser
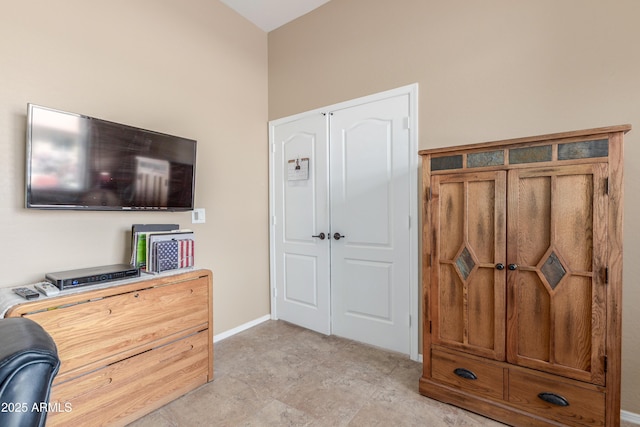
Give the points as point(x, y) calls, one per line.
point(127, 349)
point(522, 278)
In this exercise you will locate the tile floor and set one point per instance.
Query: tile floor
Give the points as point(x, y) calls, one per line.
point(278, 374)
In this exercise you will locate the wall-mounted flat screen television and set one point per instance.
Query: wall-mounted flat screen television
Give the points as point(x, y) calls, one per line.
point(84, 163)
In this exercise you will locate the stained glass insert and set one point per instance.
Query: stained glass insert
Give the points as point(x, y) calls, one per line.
point(448, 162)
point(583, 149)
point(465, 263)
point(530, 154)
point(553, 270)
point(487, 158)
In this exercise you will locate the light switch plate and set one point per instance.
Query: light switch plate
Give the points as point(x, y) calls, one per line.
point(198, 216)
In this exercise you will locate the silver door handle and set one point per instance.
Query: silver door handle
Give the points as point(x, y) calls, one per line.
point(319, 236)
point(338, 236)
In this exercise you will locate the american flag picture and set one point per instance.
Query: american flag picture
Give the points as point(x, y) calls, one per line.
point(186, 248)
point(167, 257)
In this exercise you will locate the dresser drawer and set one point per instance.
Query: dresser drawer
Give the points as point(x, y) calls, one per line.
point(566, 401)
point(120, 393)
point(97, 329)
point(468, 374)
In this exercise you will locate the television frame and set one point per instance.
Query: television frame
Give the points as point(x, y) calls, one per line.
point(147, 136)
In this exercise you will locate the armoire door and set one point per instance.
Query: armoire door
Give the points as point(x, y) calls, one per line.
point(557, 270)
point(467, 305)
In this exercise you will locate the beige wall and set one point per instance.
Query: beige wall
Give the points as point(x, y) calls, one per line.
point(192, 68)
point(487, 70)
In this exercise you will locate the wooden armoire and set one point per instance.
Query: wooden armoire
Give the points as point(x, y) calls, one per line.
point(522, 277)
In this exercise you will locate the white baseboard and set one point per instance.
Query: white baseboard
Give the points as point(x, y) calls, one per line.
point(630, 417)
point(238, 329)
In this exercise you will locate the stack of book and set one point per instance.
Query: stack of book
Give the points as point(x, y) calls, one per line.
point(160, 247)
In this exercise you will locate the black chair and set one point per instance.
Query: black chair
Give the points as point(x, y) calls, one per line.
point(28, 364)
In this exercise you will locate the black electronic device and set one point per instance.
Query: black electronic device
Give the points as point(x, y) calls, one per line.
point(26, 293)
point(91, 276)
point(80, 162)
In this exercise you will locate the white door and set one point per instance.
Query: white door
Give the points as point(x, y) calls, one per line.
point(300, 220)
point(370, 207)
point(361, 286)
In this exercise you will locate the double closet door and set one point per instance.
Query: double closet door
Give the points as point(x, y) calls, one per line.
point(341, 221)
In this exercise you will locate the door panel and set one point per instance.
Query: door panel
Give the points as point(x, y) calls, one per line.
point(450, 301)
point(370, 206)
point(300, 280)
point(557, 296)
point(468, 308)
point(535, 203)
point(531, 290)
point(365, 181)
point(301, 211)
point(481, 300)
point(369, 293)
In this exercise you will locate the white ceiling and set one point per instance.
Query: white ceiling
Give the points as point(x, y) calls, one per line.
point(271, 14)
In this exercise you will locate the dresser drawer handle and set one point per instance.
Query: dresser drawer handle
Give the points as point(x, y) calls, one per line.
point(554, 399)
point(465, 373)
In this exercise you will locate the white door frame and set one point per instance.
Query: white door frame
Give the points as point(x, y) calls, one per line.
point(412, 91)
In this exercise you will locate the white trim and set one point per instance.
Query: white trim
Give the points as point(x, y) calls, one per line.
point(272, 228)
point(414, 252)
point(241, 328)
point(630, 417)
point(414, 298)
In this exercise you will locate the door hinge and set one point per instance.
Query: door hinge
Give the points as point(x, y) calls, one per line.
point(275, 292)
point(606, 275)
point(407, 123)
point(273, 147)
point(429, 194)
point(606, 186)
point(430, 327)
point(409, 320)
point(273, 220)
point(606, 363)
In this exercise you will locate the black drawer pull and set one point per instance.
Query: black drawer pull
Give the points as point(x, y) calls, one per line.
point(465, 373)
point(554, 399)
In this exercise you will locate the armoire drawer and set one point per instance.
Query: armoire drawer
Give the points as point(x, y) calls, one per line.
point(120, 393)
point(566, 401)
point(468, 374)
point(97, 329)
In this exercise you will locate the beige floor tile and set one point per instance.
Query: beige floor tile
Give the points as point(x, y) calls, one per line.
point(277, 374)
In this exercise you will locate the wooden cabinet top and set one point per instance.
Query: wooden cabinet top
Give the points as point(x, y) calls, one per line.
point(594, 133)
point(12, 305)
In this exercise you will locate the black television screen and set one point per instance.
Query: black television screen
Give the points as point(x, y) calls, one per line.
point(80, 162)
